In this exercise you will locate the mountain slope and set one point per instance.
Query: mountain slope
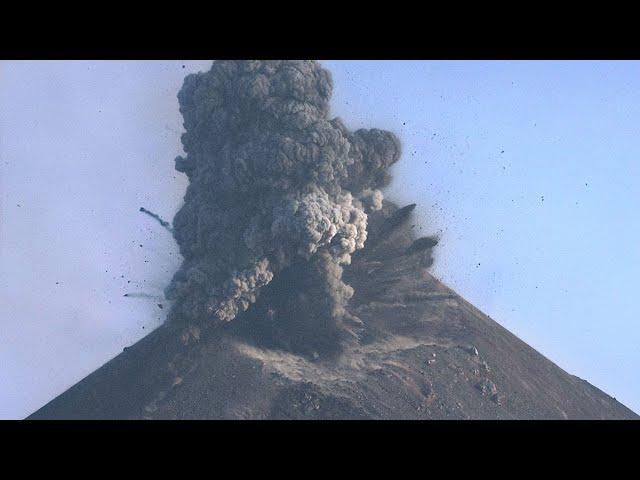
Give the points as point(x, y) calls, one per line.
point(425, 353)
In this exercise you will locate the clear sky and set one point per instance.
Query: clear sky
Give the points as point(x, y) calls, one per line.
point(527, 170)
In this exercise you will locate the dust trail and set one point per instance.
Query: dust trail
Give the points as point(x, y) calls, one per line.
point(143, 295)
point(166, 225)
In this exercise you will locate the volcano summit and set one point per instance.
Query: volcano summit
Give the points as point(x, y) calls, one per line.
point(302, 292)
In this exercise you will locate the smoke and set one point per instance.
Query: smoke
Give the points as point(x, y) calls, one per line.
point(273, 183)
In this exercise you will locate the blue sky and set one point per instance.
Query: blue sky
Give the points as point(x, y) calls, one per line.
point(527, 170)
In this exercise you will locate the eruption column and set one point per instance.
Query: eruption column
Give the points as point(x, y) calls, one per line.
point(272, 181)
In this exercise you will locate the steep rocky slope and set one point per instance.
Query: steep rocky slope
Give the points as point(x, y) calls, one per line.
point(425, 353)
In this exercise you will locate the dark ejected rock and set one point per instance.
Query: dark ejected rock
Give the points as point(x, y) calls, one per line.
point(398, 218)
point(422, 244)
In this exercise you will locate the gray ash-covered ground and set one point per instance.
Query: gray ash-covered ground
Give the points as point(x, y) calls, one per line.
point(425, 353)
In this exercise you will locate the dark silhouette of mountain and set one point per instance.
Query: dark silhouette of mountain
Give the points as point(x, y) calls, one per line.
point(424, 353)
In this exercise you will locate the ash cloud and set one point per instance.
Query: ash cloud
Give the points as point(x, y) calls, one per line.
point(273, 182)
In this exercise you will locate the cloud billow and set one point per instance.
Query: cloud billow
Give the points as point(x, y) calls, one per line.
point(273, 181)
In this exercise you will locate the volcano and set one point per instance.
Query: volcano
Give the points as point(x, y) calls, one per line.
point(424, 353)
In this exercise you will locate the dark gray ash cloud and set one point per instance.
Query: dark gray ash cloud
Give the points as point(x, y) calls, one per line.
point(273, 181)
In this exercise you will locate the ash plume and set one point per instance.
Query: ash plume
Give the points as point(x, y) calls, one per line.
point(273, 182)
